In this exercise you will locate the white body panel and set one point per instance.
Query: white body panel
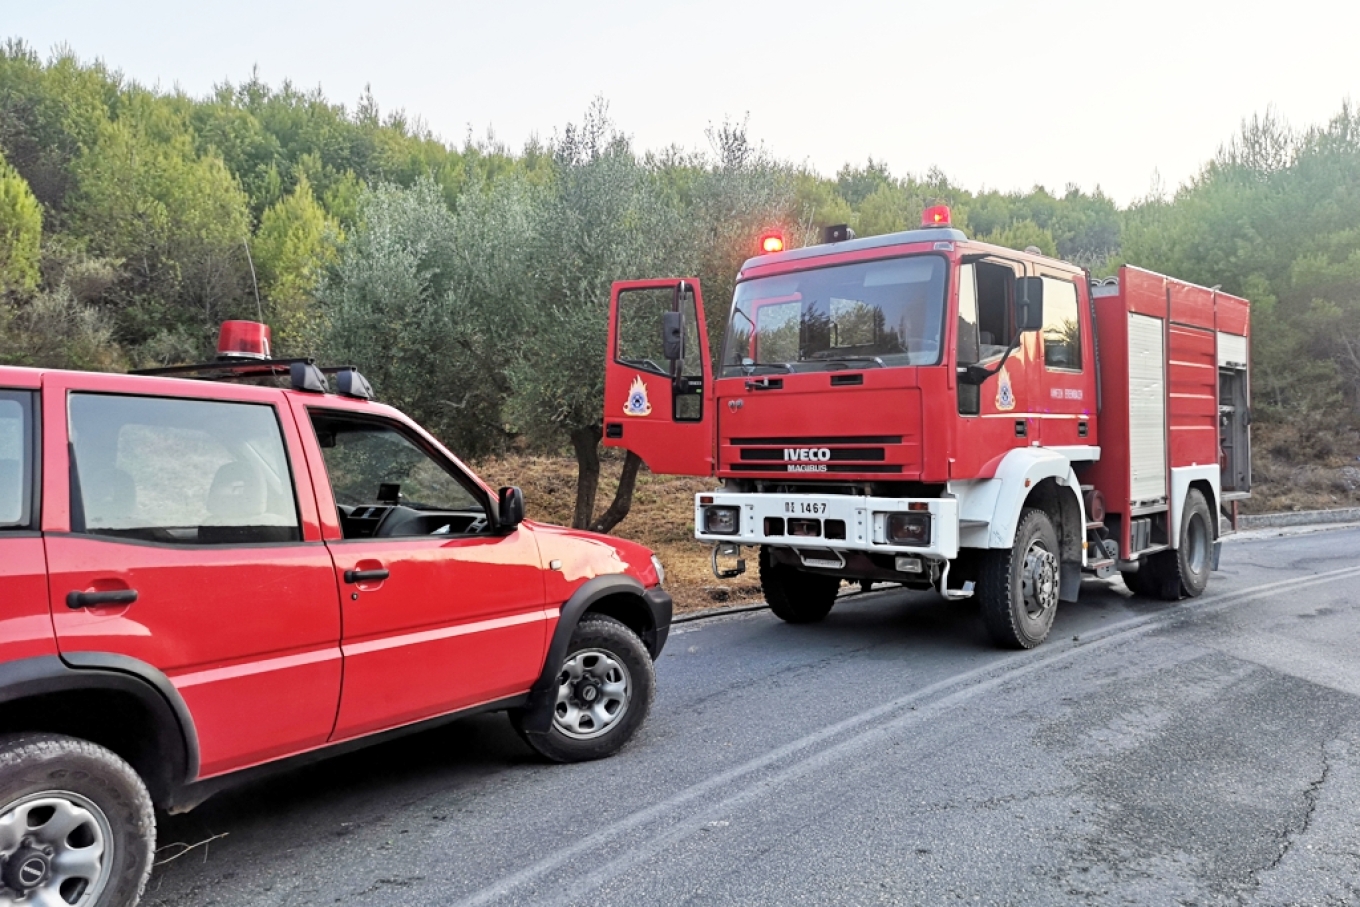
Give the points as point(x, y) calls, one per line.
point(864, 519)
point(1232, 351)
point(1147, 409)
point(1181, 478)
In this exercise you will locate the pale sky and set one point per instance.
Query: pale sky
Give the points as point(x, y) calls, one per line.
point(999, 95)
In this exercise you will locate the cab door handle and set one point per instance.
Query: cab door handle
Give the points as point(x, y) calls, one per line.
point(77, 600)
point(366, 576)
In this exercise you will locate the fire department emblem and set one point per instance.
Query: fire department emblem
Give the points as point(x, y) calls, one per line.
point(638, 404)
point(1005, 395)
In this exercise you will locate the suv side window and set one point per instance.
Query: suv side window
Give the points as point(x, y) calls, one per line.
point(188, 472)
point(1062, 325)
point(16, 459)
point(386, 485)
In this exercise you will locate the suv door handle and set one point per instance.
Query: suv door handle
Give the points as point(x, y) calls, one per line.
point(78, 600)
point(366, 576)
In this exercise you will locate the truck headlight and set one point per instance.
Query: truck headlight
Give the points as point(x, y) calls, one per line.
point(722, 520)
point(660, 570)
point(909, 528)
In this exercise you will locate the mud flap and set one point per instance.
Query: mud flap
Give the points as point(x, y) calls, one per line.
point(1218, 552)
point(1069, 582)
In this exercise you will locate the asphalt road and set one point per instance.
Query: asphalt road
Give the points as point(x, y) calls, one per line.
point(1203, 753)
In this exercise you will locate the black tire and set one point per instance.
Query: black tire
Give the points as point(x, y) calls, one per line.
point(796, 597)
point(1140, 581)
point(605, 662)
point(58, 783)
point(1018, 587)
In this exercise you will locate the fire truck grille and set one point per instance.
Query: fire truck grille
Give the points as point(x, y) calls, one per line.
point(870, 454)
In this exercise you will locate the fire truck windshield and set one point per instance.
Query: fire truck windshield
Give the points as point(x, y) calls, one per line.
point(883, 313)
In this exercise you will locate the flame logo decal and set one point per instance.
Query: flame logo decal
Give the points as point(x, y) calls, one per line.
point(638, 404)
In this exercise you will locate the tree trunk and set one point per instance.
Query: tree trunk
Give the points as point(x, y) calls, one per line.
point(623, 497)
point(586, 441)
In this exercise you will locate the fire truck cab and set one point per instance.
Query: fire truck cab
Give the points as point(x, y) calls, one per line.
point(927, 410)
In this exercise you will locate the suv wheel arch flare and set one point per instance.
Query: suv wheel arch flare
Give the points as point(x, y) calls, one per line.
point(100, 672)
point(649, 614)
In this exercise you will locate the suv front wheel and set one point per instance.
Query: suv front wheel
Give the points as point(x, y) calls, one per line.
point(76, 824)
point(604, 691)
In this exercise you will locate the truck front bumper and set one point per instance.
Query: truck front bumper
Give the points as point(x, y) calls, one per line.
point(831, 522)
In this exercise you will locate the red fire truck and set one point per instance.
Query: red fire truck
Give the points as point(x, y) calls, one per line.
point(923, 409)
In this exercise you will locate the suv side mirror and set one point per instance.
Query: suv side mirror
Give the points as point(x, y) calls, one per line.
point(673, 335)
point(1029, 304)
point(510, 507)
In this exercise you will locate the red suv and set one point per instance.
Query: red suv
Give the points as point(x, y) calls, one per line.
point(198, 577)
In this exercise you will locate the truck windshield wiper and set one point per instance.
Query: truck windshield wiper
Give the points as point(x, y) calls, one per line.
point(846, 359)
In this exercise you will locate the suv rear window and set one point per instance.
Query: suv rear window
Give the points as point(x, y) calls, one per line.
point(192, 472)
point(16, 459)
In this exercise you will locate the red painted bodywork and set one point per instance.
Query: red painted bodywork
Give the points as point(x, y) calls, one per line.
point(672, 447)
point(912, 414)
point(913, 410)
point(1192, 316)
point(272, 652)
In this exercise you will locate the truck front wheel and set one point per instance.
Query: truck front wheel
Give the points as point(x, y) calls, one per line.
point(794, 596)
point(1018, 587)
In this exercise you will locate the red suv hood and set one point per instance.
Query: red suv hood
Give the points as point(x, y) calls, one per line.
point(586, 555)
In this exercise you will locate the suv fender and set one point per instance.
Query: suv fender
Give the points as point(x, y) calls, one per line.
point(646, 612)
point(176, 743)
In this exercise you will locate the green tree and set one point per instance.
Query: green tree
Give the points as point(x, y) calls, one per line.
point(294, 244)
point(20, 231)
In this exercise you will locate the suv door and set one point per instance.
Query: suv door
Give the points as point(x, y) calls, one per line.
point(25, 626)
point(177, 540)
point(442, 611)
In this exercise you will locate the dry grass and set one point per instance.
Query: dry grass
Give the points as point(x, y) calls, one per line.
point(661, 518)
point(1304, 467)
point(1293, 470)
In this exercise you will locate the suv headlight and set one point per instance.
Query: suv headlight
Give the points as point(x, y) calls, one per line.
point(722, 520)
point(660, 570)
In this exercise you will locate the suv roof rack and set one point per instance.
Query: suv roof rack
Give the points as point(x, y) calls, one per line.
point(303, 374)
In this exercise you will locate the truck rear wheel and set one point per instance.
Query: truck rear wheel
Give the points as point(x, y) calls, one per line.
point(794, 596)
point(1018, 588)
point(1184, 572)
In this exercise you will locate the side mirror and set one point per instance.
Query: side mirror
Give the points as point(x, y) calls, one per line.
point(510, 507)
point(1029, 304)
point(673, 335)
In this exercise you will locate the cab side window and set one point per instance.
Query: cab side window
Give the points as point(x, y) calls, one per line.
point(386, 485)
point(187, 472)
point(995, 284)
point(16, 459)
point(1062, 325)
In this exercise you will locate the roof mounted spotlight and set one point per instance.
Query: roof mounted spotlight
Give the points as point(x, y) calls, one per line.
point(771, 243)
point(837, 233)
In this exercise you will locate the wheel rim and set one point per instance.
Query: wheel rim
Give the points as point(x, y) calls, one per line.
point(57, 848)
point(593, 692)
point(1197, 544)
point(1039, 581)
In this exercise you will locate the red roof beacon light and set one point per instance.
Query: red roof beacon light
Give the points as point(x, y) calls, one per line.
point(771, 243)
point(935, 216)
point(243, 340)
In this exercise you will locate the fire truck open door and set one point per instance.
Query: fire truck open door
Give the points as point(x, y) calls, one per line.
point(657, 387)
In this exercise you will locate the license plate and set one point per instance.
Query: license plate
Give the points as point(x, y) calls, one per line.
point(804, 508)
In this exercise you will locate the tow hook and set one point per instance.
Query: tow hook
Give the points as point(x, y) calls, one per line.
point(728, 550)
